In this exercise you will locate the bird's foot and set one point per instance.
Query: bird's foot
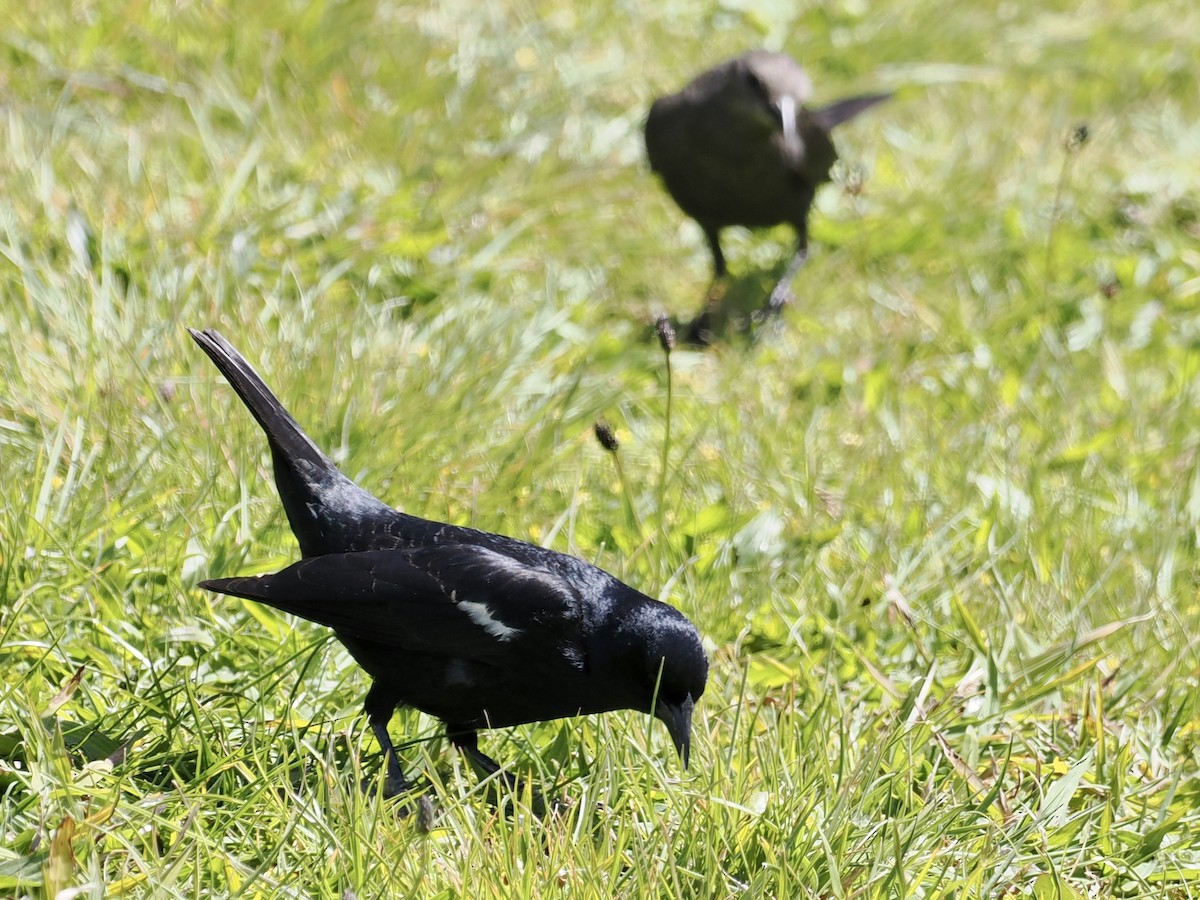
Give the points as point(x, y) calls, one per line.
point(506, 786)
point(560, 807)
point(781, 294)
point(769, 318)
point(699, 333)
point(389, 787)
point(780, 297)
point(409, 799)
point(507, 789)
point(702, 329)
point(394, 786)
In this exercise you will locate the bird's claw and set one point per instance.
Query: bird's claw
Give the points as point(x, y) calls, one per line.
point(780, 297)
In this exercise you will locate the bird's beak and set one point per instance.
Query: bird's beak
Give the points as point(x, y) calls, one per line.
point(787, 116)
point(678, 719)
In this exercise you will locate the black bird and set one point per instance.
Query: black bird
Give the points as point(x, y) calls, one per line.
point(738, 146)
point(476, 629)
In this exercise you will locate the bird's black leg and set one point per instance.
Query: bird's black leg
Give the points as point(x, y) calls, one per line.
point(714, 244)
point(379, 712)
point(394, 782)
point(467, 742)
point(700, 330)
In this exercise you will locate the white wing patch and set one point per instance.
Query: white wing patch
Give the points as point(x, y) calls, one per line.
point(482, 616)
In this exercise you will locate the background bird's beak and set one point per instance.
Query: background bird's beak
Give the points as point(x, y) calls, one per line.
point(678, 719)
point(787, 116)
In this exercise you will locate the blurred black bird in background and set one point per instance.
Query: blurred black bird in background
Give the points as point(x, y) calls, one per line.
point(476, 629)
point(738, 146)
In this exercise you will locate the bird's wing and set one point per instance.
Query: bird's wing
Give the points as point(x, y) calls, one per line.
point(834, 114)
point(462, 600)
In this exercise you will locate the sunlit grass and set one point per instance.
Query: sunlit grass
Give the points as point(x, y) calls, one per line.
point(940, 529)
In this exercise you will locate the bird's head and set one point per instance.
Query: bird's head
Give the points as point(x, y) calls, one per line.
point(768, 89)
point(675, 668)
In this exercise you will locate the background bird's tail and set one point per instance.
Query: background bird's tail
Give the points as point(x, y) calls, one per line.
point(844, 110)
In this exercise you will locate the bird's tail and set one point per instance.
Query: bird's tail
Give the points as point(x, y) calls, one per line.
point(844, 110)
point(327, 511)
point(273, 590)
point(285, 435)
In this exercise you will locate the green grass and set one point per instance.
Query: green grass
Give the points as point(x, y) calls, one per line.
point(940, 530)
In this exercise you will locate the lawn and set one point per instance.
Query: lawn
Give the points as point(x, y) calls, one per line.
point(940, 528)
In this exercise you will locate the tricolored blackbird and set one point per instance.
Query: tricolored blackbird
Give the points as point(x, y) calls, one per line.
point(737, 146)
point(477, 629)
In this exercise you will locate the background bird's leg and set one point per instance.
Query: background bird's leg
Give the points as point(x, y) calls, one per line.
point(713, 236)
point(700, 329)
point(781, 295)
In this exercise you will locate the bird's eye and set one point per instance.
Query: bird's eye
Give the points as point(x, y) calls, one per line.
point(756, 84)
